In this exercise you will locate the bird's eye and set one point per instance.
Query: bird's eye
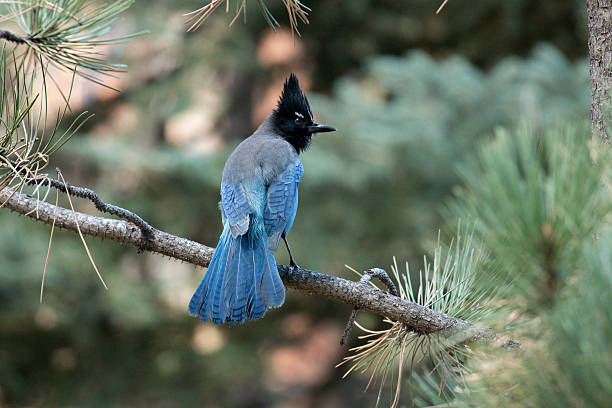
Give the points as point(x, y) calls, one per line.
point(299, 118)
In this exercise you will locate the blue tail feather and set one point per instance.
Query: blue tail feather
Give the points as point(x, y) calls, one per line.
point(211, 303)
point(244, 282)
point(222, 281)
point(272, 288)
point(200, 301)
point(256, 306)
point(241, 282)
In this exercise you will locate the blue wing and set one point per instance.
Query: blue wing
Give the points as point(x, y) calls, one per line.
point(282, 202)
point(236, 207)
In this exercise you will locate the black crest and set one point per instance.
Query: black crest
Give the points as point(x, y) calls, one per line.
point(293, 116)
point(293, 100)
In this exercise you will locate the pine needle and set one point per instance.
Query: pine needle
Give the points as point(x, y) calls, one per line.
point(441, 7)
point(67, 34)
point(42, 283)
point(200, 15)
point(447, 285)
point(80, 233)
point(296, 11)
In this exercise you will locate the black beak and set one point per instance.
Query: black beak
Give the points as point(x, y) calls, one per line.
point(316, 128)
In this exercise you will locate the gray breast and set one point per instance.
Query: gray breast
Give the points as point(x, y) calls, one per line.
point(261, 156)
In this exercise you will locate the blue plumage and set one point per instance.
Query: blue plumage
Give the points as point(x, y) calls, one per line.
point(259, 199)
point(281, 203)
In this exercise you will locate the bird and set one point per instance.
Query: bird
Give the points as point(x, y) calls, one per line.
point(259, 200)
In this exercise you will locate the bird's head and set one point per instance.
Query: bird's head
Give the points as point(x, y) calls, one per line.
point(292, 117)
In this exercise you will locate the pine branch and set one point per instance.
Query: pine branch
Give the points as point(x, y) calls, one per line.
point(67, 34)
point(356, 294)
point(116, 230)
point(100, 205)
point(367, 277)
point(296, 11)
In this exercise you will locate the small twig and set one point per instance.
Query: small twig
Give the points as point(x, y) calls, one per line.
point(8, 36)
point(92, 196)
point(349, 326)
point(28, 39)
point(366, 278)
point(101, 206)
point(382, 275)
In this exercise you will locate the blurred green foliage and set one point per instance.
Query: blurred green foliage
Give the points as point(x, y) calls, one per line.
point(541, 207)
point(403, 129)
point(523, 193)
point(484, 31)
point(573, 368)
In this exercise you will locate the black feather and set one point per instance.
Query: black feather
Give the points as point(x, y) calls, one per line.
point(293, 100)
point(292, 115)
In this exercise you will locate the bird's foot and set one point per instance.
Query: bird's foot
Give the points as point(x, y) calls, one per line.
point(292, 263)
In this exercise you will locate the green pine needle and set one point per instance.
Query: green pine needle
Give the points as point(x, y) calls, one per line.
point(68, 33)
point(536, 198)
point(448, 285)
point(25, 143)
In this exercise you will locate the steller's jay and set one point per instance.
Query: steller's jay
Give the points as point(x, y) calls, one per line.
point(259, 198)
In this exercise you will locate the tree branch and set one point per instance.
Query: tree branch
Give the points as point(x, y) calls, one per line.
point(116, 230)
point(100, 205)
point(356, 294)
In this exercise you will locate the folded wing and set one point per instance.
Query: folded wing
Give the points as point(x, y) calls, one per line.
point(282, 202)
point(236, 207)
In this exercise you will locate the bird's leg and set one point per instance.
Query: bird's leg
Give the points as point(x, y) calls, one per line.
point(291, 260)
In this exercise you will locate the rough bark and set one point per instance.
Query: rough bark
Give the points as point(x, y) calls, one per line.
point(356, 294)
point(116, 230)
point(600, 64)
